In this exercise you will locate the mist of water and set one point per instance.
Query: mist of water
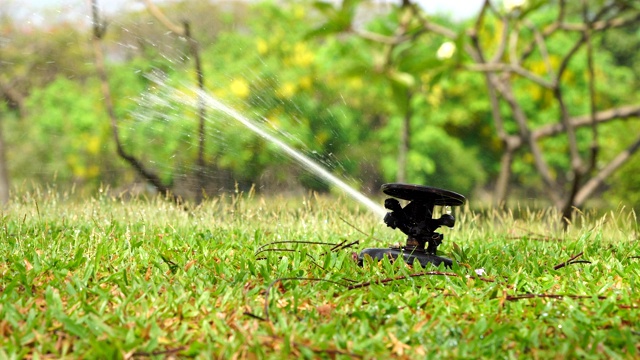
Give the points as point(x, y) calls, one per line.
point(302, 159)
point(206, 99)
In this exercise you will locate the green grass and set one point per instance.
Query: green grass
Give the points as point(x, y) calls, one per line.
point(107, 278)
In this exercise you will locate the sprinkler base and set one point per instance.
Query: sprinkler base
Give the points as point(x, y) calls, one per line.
point(409, 256)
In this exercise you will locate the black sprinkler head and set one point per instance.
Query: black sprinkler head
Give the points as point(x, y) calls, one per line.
point(415, 220)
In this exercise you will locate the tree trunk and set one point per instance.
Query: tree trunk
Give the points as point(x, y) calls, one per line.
point(200, 172)
point(501, 190)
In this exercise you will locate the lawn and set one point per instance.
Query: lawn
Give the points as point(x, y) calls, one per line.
point(111, 278)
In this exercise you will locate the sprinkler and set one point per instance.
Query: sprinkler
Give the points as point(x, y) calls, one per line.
point(415, 220)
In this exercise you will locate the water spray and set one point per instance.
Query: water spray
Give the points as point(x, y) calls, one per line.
point(293, 153)
point(414, 219)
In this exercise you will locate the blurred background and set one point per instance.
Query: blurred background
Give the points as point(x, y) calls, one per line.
point(502, 101)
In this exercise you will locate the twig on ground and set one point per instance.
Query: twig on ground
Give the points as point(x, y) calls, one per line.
point(338, 245)
point(561, 296)
point(403, 277)
point(257, 317)
point(346, 245)
point(572, 260)
point(160, 352)
point(551, 296)
point(294, 242)
point(333, 352)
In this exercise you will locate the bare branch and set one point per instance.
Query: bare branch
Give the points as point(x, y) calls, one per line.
point(494, 85)
point(603, 24)
point(158, 14)
point(475, 30)
point(438, 29)
point(503, 42)
point(98, 33)
point(576, 160)
point(525, 133)
point(542, 47)
point(592, 89)
point(379, 38)
point(568, 262)
point(194, 50)
point(580, 121)
point(514, 68)
point(592, 185)
point(513, 47)
point(506, 161)
point(548, 31)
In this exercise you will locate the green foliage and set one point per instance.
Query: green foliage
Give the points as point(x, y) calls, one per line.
point(64, 133)
point(286, 87)
point(311, 73)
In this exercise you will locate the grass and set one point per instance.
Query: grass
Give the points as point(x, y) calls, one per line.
point(106, 278)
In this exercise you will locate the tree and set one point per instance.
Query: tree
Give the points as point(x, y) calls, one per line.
point(98, 32)
point(539, 51)
point(395, 57)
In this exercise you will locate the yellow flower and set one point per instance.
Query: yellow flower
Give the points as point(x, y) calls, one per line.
point(240, 88)
point(302, 56)
point(287, 89)
point(434, 97)
point(298, 12)
point(355, 82)
point(93, 145)
point(79, 171)
point(263, 46)
point(306, 82)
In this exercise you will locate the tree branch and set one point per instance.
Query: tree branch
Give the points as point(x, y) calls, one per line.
point(592, 185)
point(602, 25)
point(592, 89)
point(98, 33)
point(194, 49)
point(513, 68)
point(159, 15)
point(521, 120)
point(586, 120)
point(510, 142)
point(548, 31)
point(379, 38)
point(542, 46)
point(502, 46)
